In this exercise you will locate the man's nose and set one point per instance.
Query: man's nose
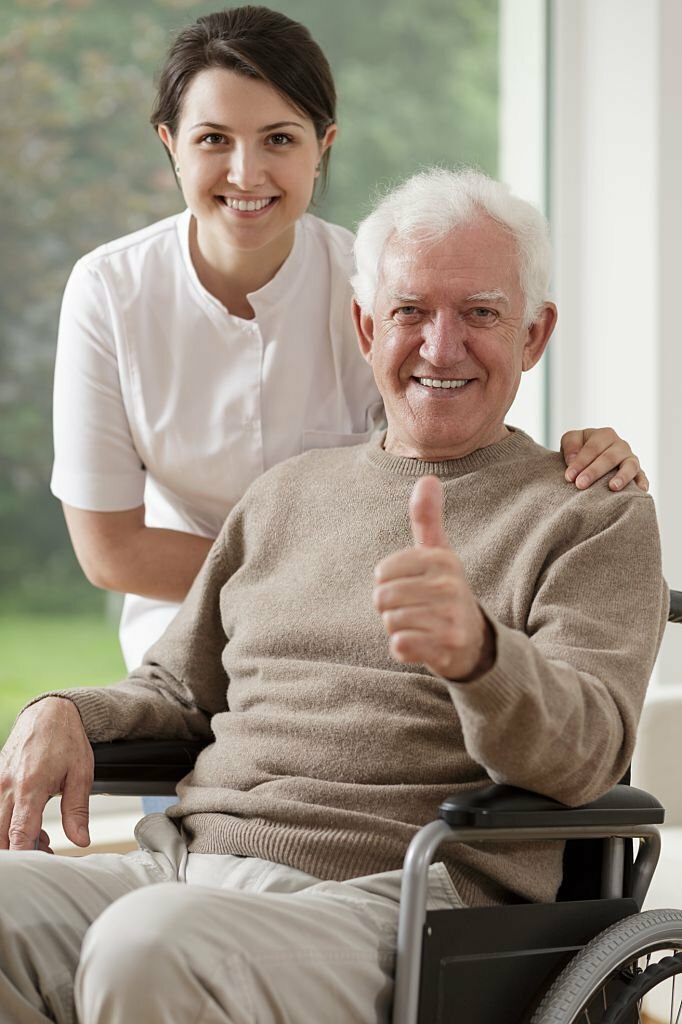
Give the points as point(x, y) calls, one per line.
point(444, 339)
point(246, 169)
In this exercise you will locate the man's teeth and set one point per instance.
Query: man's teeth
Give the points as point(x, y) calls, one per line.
point(247, 204)
point(430, 382)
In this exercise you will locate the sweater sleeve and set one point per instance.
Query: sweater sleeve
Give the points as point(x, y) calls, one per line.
point(182, 682)
point(558, 711)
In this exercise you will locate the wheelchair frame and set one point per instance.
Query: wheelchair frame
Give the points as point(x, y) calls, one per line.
point(505, 814)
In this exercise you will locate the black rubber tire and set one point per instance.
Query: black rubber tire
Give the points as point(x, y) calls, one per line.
point(603, 958)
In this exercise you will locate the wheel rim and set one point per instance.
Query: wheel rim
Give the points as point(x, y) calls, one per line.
point(646, 983)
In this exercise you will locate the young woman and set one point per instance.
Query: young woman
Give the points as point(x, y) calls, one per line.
point(198, 352)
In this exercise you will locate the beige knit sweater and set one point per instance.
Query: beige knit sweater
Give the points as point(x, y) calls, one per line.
point(327, 754)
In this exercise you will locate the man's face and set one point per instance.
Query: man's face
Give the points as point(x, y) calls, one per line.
point(447, 342)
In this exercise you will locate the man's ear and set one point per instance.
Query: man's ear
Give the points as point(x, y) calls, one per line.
point(364, 328)
point(539, 334)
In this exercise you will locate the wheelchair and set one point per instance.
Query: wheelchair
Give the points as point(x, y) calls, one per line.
point(593, 957)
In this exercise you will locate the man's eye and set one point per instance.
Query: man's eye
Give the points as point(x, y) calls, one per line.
point(406, 311)
point(482, 314)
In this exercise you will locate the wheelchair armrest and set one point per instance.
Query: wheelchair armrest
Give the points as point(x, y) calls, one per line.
point(675, 613)
point(508, 807)
point(143, 767)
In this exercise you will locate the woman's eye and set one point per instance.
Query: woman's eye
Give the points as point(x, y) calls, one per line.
point(214, 139)
point(280, 139)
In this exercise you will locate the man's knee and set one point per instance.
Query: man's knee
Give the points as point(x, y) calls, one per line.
point(142, 924)
point(136, 953)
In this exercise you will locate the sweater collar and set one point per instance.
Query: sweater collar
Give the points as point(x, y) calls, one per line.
point(515, 442)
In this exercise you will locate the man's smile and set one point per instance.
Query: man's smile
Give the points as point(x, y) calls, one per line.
point(439, 382)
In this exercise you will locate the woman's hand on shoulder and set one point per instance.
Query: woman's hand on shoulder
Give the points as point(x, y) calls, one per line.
point(592, 453)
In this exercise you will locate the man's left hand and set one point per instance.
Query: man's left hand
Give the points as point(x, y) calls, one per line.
point(427, 607)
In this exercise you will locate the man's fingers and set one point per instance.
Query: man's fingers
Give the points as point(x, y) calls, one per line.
point(5, 822)
point(43, 842)
point(406, 564)
point(75, 825)
point(426, 513)
point(76, 812)
point(25, 827)
point(409, 645)
point(416, 616)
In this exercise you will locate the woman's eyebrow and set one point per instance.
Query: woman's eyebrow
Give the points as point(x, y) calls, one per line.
point(265, 128)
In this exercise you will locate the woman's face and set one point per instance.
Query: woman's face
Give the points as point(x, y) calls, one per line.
point(247, 161)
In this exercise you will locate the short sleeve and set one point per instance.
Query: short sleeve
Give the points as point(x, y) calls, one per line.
point(96, 466)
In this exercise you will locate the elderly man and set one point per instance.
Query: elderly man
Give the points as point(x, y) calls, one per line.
point(375, 627)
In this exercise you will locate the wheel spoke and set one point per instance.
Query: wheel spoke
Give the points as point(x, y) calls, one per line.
point(679, 1010)
point(672, 998)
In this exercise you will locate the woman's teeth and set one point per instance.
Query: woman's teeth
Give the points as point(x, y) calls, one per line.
point(248, 204)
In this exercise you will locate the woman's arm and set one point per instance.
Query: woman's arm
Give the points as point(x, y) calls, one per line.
point(116, 551)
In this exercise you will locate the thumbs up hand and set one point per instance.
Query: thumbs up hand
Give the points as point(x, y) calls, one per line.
point(427, 607)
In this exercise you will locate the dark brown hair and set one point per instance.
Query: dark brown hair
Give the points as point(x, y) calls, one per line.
point(258, 43)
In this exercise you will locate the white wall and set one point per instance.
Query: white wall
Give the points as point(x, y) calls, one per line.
point(616, 181)
point(523, 154)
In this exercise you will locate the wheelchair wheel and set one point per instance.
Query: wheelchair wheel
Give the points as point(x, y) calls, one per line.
point(620, 974)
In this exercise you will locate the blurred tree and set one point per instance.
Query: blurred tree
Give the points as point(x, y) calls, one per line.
point(417, 81)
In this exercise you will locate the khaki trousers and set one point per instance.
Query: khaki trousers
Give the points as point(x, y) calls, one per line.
point(159, 936)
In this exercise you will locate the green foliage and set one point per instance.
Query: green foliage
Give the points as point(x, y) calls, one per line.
point(40, 653)
point(79, 165)
point(417, 85)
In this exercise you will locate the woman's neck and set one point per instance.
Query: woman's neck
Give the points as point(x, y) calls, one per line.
point(232, 274)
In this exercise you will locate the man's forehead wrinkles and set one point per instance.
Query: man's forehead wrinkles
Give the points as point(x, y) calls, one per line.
point(406, 275)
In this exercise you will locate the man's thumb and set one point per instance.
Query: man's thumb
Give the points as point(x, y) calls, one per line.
point(426, 513)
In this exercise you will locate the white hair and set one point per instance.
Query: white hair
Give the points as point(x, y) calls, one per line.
point(431, 204)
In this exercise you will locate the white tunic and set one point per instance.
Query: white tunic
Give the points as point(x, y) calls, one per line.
point(162, 397)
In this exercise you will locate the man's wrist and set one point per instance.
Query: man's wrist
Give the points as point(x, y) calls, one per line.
point(486, 657)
